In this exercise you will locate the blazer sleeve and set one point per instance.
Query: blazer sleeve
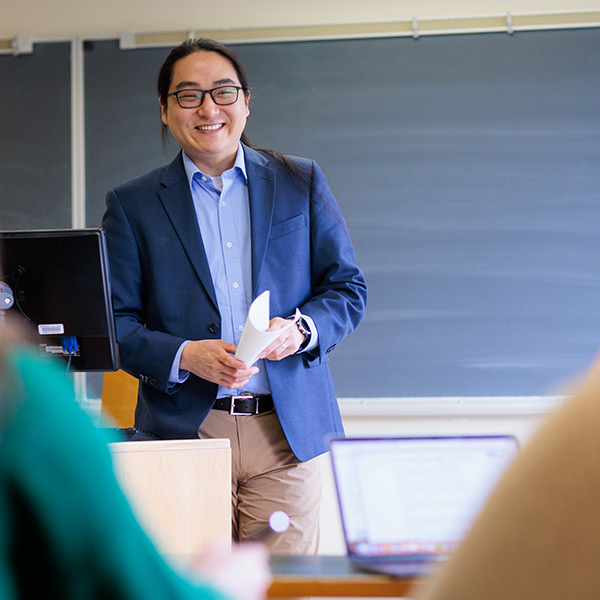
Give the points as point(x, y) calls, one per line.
point(339, 291)
point(147, 355)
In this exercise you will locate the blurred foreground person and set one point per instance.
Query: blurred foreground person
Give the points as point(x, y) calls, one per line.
point(66, 529)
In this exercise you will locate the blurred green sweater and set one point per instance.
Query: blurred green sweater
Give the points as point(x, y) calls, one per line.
point(66, 529)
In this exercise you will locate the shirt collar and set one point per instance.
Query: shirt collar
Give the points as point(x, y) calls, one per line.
point(239, 165)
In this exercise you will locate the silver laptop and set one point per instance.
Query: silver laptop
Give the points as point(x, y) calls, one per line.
point(406, 502)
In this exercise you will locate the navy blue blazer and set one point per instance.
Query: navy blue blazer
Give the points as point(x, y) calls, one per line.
point(163, 292)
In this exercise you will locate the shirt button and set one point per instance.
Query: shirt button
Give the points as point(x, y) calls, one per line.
point(204, 178)
point(241, 328)
point(229, 244)
point(236, 285)
point(223, 203)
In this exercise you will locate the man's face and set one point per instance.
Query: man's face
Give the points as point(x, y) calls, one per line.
point(209, 134)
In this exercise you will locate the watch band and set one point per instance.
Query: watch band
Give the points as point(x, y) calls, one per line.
point(305, 331)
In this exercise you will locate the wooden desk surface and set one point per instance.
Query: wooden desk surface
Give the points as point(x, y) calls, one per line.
point(330, 576)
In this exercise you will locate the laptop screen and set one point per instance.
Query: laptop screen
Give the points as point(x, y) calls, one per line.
point(414, 495)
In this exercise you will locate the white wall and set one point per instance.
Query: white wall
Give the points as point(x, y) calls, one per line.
point(67, 18)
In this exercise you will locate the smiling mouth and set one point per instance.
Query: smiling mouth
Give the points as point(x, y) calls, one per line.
point(210, 127)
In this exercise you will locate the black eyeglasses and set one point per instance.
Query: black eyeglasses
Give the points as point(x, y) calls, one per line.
point(222, 95)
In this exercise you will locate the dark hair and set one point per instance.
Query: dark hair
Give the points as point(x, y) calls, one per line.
point(165, 75)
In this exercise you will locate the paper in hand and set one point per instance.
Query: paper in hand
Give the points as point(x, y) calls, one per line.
point(256, 337)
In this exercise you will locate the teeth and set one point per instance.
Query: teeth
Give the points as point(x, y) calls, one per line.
point(209, 127)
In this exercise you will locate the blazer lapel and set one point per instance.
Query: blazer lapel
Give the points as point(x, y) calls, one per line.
point(177, 201)
point(261, 194)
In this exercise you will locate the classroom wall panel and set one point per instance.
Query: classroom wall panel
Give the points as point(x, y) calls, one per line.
point(35, 129)
point(467, 169)
point(122, 119)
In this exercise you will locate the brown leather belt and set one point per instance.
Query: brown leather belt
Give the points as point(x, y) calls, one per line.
point(245, 404)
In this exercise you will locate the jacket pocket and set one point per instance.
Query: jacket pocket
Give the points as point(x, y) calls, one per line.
point(285, 227)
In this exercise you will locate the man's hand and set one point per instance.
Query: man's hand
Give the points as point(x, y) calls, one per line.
point(286, 344)
point(212, 360)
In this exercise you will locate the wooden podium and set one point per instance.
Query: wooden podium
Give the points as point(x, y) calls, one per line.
point(180, 491)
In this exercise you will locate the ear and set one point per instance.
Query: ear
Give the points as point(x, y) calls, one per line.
point(247, 99)
point(163, 112)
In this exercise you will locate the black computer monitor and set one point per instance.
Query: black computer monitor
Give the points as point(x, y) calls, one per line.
point(61, 286)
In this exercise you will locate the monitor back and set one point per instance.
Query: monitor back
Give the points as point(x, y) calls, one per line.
point(61, 285)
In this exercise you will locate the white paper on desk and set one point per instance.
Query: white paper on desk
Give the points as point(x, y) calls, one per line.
point(256, 337)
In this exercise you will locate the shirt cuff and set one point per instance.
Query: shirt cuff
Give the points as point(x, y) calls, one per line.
point(314, 334)
point(178, 376)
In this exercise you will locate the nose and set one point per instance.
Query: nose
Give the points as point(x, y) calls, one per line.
point(208, 105)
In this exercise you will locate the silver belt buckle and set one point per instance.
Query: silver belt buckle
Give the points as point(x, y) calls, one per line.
point(232, 410)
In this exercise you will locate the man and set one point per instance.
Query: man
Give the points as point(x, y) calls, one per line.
point(191, 244)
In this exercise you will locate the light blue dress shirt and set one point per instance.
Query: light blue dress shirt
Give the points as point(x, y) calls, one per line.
point(223, 213)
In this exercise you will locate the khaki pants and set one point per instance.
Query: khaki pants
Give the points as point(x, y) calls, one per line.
point(267, 477)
